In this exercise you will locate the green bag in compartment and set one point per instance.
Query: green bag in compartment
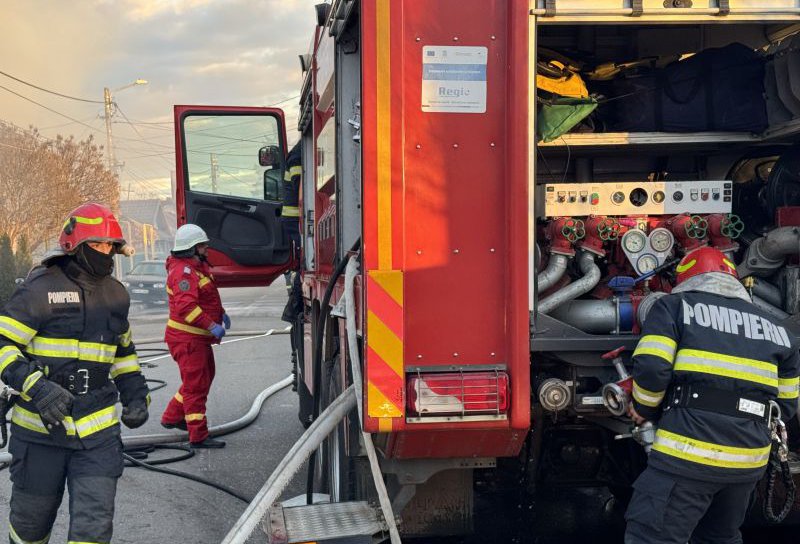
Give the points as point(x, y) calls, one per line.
point(559, 115)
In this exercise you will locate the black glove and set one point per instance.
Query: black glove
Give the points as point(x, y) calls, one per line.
point(52, 401)
point(135, 414)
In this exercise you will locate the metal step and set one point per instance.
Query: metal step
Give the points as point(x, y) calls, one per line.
point(331, 523)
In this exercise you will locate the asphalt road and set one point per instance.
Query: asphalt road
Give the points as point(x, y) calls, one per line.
point(156, 508)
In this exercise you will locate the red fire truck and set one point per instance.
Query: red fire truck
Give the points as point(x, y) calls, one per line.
point(497, 267)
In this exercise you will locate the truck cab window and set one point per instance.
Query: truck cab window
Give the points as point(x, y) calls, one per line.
point(222, 155)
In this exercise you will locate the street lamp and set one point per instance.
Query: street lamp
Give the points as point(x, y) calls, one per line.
point(109, 111)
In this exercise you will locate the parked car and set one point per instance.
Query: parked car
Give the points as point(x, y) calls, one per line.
point(147, 282)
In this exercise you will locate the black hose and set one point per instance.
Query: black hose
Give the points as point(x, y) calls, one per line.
point(316, 361)
point(151, 466)
point(143, 452)
point(161, 384)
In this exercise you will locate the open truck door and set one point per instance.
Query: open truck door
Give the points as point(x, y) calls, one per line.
point(229, 165)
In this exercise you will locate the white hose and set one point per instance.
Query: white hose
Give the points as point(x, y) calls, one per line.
point(289, 465)
point(183, 436)
point(355, 365)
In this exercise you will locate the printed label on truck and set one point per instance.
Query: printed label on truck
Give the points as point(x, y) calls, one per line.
point(454, 79)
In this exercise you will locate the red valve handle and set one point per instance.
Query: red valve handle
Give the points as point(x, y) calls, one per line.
point(613, 354)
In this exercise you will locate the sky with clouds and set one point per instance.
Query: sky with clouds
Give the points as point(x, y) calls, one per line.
point(211, 52)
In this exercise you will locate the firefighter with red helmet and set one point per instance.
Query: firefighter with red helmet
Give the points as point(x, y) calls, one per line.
point(709, 370)
point(66, 348)
point(196, 321)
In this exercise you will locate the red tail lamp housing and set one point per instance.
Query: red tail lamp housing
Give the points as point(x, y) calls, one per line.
point(457, 394)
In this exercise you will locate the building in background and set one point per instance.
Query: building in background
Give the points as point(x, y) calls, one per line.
point(149, 225)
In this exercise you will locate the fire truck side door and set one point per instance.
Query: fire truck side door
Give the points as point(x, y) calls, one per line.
point(230, 163)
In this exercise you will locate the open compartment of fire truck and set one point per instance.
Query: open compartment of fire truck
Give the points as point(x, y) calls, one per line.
point(615, 210)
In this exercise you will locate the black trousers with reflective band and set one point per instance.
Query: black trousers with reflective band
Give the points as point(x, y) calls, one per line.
point(670, 509)
point(39, 474)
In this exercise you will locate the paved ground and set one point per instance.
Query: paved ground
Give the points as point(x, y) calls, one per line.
point(154, 508)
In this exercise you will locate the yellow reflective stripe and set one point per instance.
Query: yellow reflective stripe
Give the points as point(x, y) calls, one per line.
point(788, 388)
point(195, 417)
point(69, 348)
point(706, 453)
point(203, 281)
point(126, 339)
point(125, 365)
point(17, 540)
point(28, 383)
point(648, 398)
point(657, 345)
point(28, 420)
point(170, 291)
point(187, 328)
point(94, 422)
point(191, 316)
point(15, 330)
point(8, 355)
point(296, 170)
point(684, 267)
point(720, 364)
point(85, 220)
point(179, 397)
point(729, 263)
point(290, 211)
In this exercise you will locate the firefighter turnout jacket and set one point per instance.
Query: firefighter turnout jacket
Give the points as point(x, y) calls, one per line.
point(194, 302)
point(705, 370)
point(64, 325)
point(290, 188)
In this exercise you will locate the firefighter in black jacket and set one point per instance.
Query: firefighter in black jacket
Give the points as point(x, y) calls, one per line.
point(65, 346)
point(706, 371)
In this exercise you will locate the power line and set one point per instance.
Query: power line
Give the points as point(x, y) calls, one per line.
point(49, 91)
point(15, 147)
point(50, 109)
point(136, 130)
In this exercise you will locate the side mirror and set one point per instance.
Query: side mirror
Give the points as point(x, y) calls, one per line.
point(269, 155)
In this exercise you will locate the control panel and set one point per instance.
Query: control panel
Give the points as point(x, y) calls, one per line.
point(635, 198)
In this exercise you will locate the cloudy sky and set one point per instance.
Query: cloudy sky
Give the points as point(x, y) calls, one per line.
point(218, 52)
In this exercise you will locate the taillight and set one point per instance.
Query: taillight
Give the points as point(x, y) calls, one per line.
point(457, 394)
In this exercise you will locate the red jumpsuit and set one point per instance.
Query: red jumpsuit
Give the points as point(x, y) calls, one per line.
point(194, 307)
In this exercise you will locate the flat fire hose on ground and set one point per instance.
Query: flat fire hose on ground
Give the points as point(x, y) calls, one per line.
point(314, 436)
point(291, 463)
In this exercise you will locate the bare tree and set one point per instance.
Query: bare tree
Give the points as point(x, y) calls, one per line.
point(42, 180)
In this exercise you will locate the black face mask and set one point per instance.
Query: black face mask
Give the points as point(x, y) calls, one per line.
point(96, 263)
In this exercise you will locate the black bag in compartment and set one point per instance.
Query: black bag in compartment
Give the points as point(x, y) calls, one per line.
point(719, 89)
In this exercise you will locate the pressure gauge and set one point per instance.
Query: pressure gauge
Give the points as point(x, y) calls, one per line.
point(634, 241)
point(646, 263)
point(661, 240)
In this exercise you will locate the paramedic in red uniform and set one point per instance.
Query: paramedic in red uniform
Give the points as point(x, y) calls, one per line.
point(196, 321)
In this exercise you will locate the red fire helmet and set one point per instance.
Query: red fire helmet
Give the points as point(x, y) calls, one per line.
point(703, 260)
point(90, 222)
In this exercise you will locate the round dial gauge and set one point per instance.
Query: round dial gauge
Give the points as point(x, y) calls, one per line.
point(618, 197)
point(646, 263)
point(661, 240)
point(634, 241)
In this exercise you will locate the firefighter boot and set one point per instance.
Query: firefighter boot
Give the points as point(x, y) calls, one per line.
point(208, 443)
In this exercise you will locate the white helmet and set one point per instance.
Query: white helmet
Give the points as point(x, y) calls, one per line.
point(188, 236)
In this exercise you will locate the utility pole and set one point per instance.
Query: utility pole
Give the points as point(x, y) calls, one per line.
point(214, 166)
point(108, 104)
point(112, 163)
